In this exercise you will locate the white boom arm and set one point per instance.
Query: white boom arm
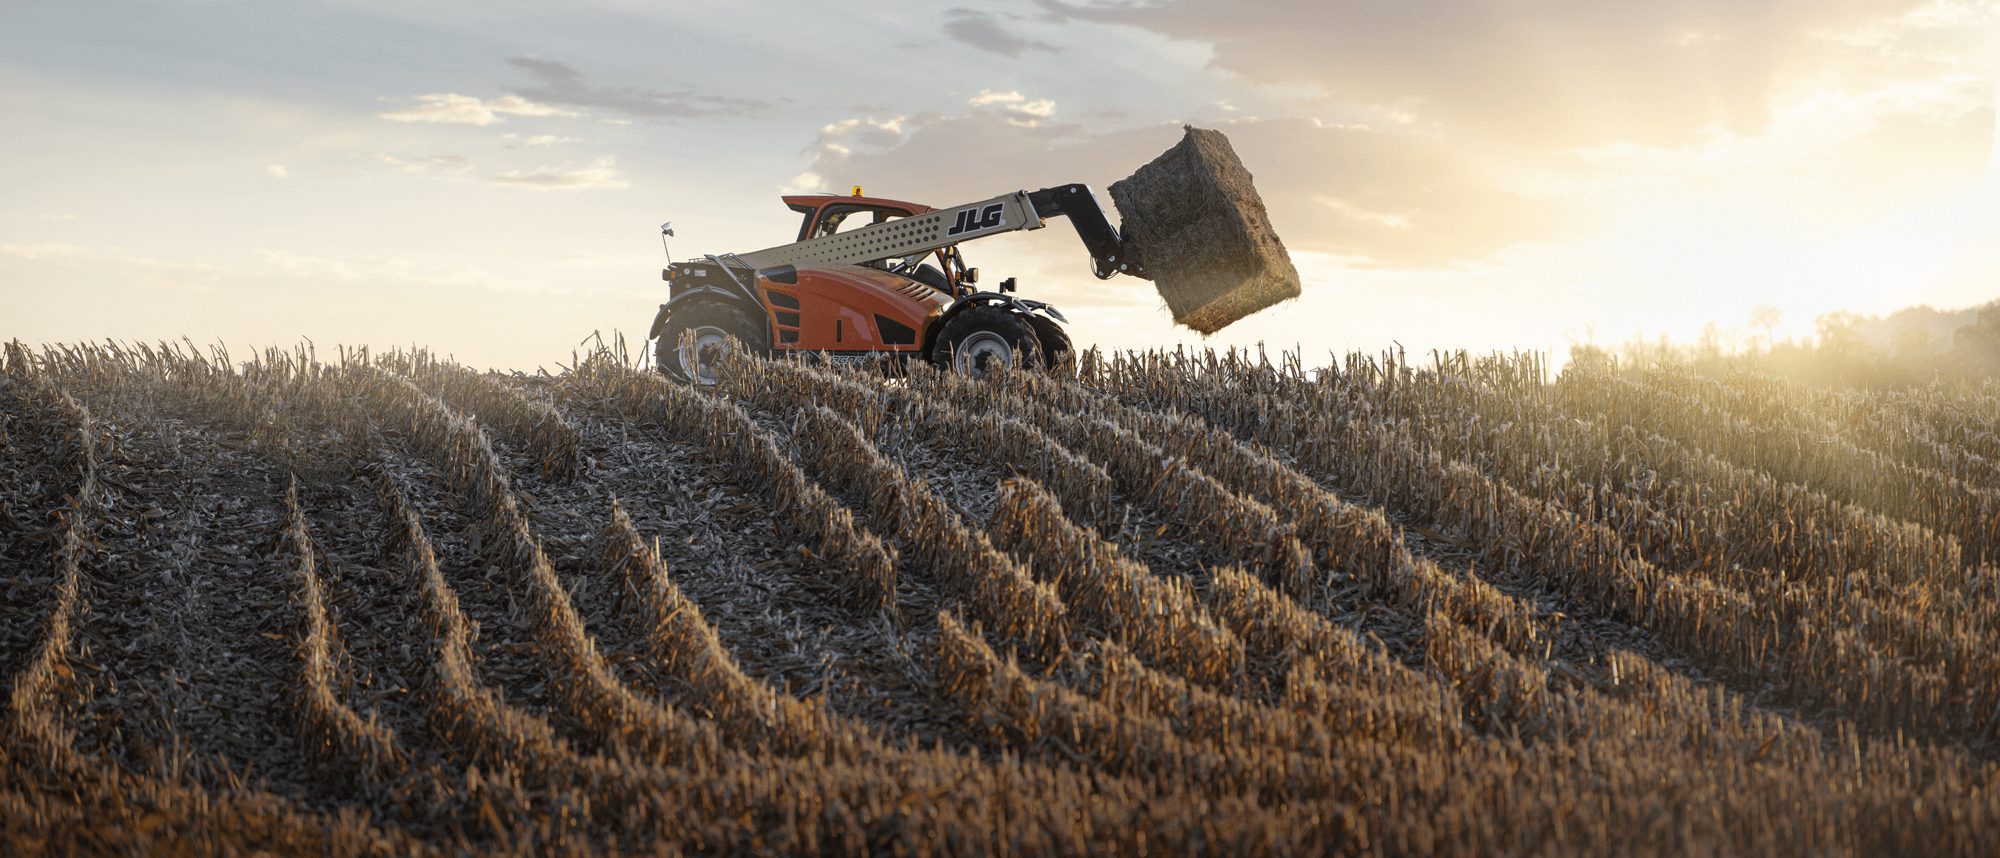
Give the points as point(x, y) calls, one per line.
point(906, 236)
point(909, 236)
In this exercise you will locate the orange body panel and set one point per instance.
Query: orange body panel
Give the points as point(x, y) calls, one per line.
point(850, 308)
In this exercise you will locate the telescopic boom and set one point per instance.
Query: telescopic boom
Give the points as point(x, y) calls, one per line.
point(1109, 252)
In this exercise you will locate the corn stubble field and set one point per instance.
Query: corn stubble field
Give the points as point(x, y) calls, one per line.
point(1179, 604)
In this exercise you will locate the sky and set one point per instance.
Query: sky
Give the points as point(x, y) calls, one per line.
point(487, 180)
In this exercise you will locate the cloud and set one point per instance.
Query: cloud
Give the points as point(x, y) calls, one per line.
point(442, 164)
point(1569, 73)
point(847, 134)
point(537, 140)
point(56, 217)
point(804, 183)
point(561, 84)
point(978, 30)
point(277, 171)
point(1019, 110)
point(469, 110)
point(560, 179)
point(1358, 213)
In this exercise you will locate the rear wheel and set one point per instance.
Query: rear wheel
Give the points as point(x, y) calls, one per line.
point(986, 338)
point(712, 323)
point(1058, 356)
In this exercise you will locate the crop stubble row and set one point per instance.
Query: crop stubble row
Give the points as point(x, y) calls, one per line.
point(1483, 734)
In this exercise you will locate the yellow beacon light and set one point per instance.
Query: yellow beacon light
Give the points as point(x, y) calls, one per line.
point(857, 190)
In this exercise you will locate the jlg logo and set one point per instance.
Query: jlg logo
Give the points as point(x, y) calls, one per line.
point(971, 219)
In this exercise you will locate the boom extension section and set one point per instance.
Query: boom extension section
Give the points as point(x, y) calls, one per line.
point(1109, 252)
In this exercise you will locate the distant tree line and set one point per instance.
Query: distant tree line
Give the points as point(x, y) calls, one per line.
point(1913, 346)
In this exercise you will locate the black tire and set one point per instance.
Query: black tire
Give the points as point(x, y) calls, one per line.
point(713, 321)
point(1058, 356)
point(981, 334)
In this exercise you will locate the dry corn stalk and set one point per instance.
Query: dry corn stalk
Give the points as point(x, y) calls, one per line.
point(991, 585)
point(749, 713)
point(529, 421)
point(35, 722)
point(335, 731)
point(868, 566)
point(1109, 591)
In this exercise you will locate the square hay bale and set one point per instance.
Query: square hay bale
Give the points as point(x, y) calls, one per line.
point(1202, 233)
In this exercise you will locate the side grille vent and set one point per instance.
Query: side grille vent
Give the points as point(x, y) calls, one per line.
point(895, 333)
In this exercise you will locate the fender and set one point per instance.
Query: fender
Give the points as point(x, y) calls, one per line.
point(696, 294)
point(1022, 306)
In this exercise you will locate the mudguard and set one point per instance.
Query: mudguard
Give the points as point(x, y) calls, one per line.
point(699, 293)
point(1024, 306)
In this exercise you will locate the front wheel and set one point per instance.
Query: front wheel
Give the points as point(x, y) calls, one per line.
point(1058, 356)
point(986, 338)
point(712, 323)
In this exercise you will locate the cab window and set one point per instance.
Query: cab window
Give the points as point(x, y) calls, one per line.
point(837, 219)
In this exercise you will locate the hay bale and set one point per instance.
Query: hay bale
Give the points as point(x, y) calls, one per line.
point(1200, 229)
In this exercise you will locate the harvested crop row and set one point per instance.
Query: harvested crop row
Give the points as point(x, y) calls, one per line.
point(1593, 563)
point(786, 385)
point(1961, 419)
point(1949, 647)
point(464, 710)
point(1849, 567)
point(1019, 710)
point(333, 729)
point(1117, 678)
point(586, 690)
point(290, 406)
point(1723, 521)
point(1832, 465)
point(995, 439)
point(1531, 443)
point(74, 804)
point(1694, 510)
point(531, 773)
point(517, 417)
point(1684, 507)
point(1886, 422)
point(1342, 536)
point(1752, 634)
point(750, 715)
point(36, 724)
point(1320, 520)
point(1768, 630)
point(981, 793)
point(107, 812)
point(1193, 501)
point(807, 804)
point(1274, 627)
point(729, 435)
point(994, 587)
point(1111, 592)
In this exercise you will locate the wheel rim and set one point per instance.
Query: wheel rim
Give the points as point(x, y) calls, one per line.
point(980, 350)
point(705, 337)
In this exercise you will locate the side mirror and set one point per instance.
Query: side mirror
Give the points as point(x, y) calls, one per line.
point(971, 275)
point(1007, 285)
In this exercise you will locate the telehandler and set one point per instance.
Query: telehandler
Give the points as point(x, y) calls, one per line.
point(871, 279)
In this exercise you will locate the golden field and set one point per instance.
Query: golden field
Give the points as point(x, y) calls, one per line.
point(1181, 603)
